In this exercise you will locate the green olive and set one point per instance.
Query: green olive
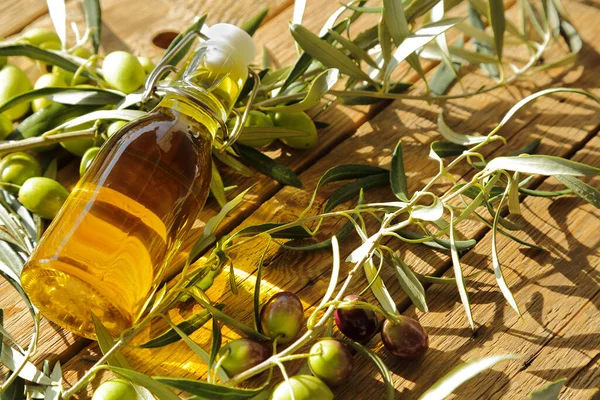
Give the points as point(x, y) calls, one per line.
point(299, 121)
point(6, 126)
point(243, 354)
point(87, 159)
point(330, 361)
point(43, 196)
point(116, 389)
point(114, 127)
point(79, 146)
point(147, 64)
point(38, 35)
point(67, 76)
point(13, 81)
point(256, 119)
point(281, 317)
point(18, 167)
point(46, 80)
point(303, 387)
point(123, 71)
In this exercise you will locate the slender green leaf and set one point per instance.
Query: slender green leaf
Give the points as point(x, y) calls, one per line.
point(326, 53)
point(317, 88)
point(581, 189)
point(106, 342)
point(431, 212)
point(52, 169)
point(252, 25)
point(217, 189)
point(294, 232)
point(529, 148)
point(268, 166)
point(16, 390)
point(482, 46)
point(65, 95)
point(549, 391)
point(188, 327)
point(459, 375)
point(383, 369)
point(458, 275)
point(352, 189)
point(46, 56)
point(12, 359)
point(417, 40)
point(398, 180)
point(543, 193)
point(47, 119)
point(447, 149)
point(378, 288)
point(444, 76)
point(269, 132)
point(455, 137)
point(158, 389)
point(541, 165)
point(394, 87)
point(513, 195)
point(93, 19)
point(53, 392)
point(231, 162)
point(497, 21)
point(439, 244)
point(349, 171)
point(216, 342)
point(410, 283)
point(125, 115)
point(335, 272)
point(57, 10)
point(356, 51)
point(208, 390)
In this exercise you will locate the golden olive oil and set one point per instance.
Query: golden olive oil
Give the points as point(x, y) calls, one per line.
point(106, 251)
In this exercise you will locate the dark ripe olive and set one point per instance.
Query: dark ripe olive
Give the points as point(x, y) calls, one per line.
point(303, 387)
point(405, 339)
point(355, 323)
point(117, 389)
point(17, 167)
point(43, 196)
point(282, 317)
point(242, 354)
point(331, 361)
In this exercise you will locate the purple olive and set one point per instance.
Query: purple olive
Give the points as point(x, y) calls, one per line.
point(243, 354)
point(358, 324)
point(282, 317)
point(405, 339)
point(330, 361)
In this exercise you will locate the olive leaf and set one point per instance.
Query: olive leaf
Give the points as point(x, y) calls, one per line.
point(349, 171)
point(252, 25)
point(57, 10)
point(268, 166)
point(541, 165)
point(46, 56)
point(447, 149)
point(410, 283)
point(106, 343)
point(188, 326)
point(378, 288)
point(65, 95)
point(394, 87)
point(481, 46)
point(292, 232)
point(445, 76)
point(317, 88)
point(217, 189)
point(15, 391)
point(417, 40)
point(326, 53)
point(436, 243)
point(48, 118)
point(498, 23)
point(455, 137)
point(459, 375)
point(125, 115)
point(352, 189)
point(269, 132)
point(354, 50)
point(12, 360)
point(583, 190)
point(154, 386)
point(549, 391)
point(93, 19)
point(53, 392)
point(432, 212)
point(208, 390)
point(215, 345)
point(458, 275)
point(398, 180)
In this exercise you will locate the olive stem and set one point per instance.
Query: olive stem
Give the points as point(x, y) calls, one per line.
point(41, 141)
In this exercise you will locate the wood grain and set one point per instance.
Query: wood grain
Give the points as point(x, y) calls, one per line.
point(15, 15)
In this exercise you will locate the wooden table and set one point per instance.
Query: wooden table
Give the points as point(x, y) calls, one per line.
point(559, 290)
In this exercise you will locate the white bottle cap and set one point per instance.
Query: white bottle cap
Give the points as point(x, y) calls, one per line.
point(235, 37)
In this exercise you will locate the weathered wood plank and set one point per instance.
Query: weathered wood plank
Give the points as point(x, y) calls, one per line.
point(15, 15)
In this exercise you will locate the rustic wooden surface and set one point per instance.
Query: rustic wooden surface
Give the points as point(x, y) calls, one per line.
point(559, 291)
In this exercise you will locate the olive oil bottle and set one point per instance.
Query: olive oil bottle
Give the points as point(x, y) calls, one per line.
point(106, 250)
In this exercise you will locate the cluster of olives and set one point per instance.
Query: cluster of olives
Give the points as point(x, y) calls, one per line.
point(298, 121)
point(404, 338)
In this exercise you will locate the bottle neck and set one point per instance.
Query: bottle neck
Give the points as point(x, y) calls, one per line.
point(202, 112)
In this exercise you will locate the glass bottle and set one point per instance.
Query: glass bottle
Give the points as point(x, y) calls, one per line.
point(106, 250)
